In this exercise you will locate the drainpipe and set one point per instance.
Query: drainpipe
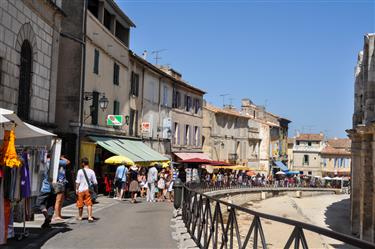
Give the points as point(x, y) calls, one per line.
point(83, 76)
point(159, 109)
point(143, 93)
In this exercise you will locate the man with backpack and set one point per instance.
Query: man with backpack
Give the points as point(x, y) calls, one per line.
point(85, 181)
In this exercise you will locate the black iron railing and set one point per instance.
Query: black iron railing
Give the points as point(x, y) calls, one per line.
point(213, 223)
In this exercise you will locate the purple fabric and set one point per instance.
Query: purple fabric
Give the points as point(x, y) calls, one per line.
point(25, 177)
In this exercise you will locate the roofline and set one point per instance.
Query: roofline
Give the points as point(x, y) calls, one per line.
point(121, 12)
point(159, 71)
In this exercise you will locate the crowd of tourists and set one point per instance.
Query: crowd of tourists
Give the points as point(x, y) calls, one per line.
point(250, 179)
point(155, 183)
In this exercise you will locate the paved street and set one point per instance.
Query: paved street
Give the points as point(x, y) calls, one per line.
point(119, 225)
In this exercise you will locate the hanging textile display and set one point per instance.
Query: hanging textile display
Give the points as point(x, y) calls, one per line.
point(8, 154)
point(25, 176)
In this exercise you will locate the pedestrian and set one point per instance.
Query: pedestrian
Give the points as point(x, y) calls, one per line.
point(46, 199)
point(142, 181)
point(85, 178)
point(61, 183)
point(133, 186)
point(161, 185)
point(120, 181)
point(152, 177)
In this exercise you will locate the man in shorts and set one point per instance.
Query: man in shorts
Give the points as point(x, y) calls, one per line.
point(85, 176)
point(46, 198)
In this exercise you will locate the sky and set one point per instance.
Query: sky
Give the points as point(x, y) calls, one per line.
point(295, 57)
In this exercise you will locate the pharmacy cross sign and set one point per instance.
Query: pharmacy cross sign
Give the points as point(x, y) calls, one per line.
point(115, 120)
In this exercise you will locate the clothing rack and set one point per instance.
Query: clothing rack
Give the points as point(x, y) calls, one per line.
point(24, 232)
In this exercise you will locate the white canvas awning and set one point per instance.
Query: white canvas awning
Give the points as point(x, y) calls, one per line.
point(22, 130)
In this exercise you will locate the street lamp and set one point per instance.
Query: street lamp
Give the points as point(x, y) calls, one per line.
point(103, 103)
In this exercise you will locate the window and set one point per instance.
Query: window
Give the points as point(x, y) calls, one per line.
point(134, 88)
point(107, 19)
point(133, 122)
point(305, 160)
point(297, 142)
point(94, 108)
point(165, 96)
point(116, 107)
point(176, 135)
point(26, 64)
point(309, 172)
point(187, 135)
point(309, 143)
point(176, 99)
point(197, 106)
point(187, 103)
point(96, 61)
point(116, 74)
point(196, 136)
point(324, 162)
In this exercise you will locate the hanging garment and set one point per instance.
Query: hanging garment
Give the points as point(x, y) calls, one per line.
point(2, 215)
point(8, 154)
point(10, 225)
point(6, 218)
point(25, 177)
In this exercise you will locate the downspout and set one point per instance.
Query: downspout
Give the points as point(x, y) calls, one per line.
point(159, 110)
point(83, 76)
point(143, 92)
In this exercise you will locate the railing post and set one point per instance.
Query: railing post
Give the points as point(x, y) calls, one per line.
point(177, 187)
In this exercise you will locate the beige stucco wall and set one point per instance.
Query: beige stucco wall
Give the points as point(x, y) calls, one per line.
point(329, 168)
point(111, 50)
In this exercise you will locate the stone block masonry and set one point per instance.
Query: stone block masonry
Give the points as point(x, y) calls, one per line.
point(32, 21)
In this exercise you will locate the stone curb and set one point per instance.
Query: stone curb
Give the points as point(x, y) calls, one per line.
point(180, 234)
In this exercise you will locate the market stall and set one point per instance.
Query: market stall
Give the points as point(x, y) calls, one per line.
point(23, 156)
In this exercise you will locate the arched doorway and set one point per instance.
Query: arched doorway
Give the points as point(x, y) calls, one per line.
point(25, 81)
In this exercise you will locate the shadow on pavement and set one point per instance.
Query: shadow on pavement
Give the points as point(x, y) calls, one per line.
point(337, 217)
point(36, 237)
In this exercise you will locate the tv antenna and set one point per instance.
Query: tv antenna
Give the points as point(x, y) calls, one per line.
point(223, 96)
point(156, 53)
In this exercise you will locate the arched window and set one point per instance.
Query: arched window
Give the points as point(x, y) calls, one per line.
point(25, 81)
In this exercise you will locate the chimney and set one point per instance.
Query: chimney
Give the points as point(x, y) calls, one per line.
point(246, 102)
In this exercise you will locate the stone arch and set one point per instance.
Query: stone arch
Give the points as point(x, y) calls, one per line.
point(26, 47)
point(26, 33)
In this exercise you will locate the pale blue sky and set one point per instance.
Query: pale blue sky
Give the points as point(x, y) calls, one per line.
point(295, 57)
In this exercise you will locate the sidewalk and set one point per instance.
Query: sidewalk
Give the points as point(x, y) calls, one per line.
point(37, 236)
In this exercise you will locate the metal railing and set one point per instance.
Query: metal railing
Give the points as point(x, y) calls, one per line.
point(210, 227)
point(205, 187)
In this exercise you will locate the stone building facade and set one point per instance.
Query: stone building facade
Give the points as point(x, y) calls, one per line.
point(95, 67)
point(29, 56)
point(307, 154)
point(362, 136)
point(336, 157)
point(230, 136)
point(273, 132)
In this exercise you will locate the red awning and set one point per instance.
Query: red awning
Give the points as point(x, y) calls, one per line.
point(185, 156)
point(196, 160)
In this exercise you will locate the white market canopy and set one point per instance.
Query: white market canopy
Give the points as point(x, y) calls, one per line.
point(22, 130)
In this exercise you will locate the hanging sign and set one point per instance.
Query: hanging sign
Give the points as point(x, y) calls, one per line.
point(115, 120)
point(146, 127)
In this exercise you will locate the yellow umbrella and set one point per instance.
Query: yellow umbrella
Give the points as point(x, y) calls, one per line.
point(119, 160)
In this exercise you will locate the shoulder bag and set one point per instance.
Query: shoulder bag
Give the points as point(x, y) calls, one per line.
point(93, 194)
